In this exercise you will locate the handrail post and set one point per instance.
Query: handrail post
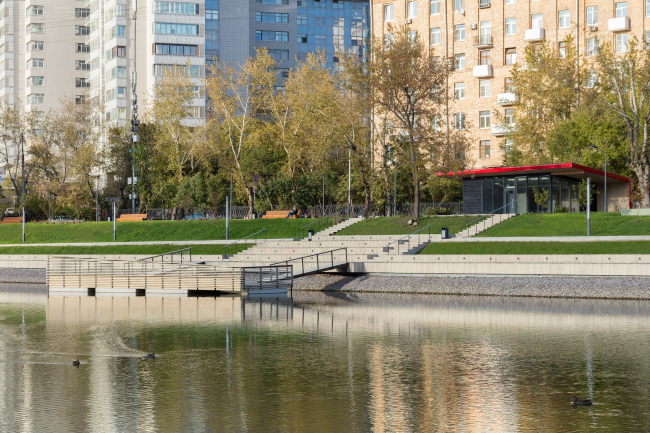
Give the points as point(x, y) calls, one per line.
point(317, 265)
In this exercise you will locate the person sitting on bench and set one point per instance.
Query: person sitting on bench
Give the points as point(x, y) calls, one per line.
point(293, 212)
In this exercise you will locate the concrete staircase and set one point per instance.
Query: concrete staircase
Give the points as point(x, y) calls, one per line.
point(338, 227)
point(484, 225)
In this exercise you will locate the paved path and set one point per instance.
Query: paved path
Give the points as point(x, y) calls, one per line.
point(547, 239)
point(107, 244)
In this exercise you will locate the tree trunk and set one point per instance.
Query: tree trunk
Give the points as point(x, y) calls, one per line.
point(366, 190)
point(642, 174)
point(174, 213)
point(416, 184)
point(249, 191)
point(388, 194)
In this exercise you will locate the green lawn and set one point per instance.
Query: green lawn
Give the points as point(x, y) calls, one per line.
point(612, 247)
point(570, 224)
point(122, 249)
point(149, 231)
point(398, 226)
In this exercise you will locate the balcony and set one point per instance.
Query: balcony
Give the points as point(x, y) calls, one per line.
point(534, 35)
point(621, 24)
point(483, 41)
point(482, 4)
point(502, 129)
point(483, 71)
point(506, 99)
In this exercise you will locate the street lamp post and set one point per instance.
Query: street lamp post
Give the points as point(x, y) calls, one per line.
point(228, 205)
point(605, 153)
point(23, 197)
point(96, 176)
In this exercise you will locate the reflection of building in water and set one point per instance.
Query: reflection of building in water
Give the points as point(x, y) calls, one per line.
point(104, 309)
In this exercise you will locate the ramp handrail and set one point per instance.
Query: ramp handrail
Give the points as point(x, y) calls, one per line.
point(171, 253)
point(332, 215)
point(318, 268)
point(485, 215)
point(266, 234)
point(387, 247)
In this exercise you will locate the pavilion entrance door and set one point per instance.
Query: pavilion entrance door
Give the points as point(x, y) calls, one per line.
point(511, 196)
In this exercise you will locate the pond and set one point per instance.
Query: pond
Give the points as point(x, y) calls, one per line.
point(321, 363)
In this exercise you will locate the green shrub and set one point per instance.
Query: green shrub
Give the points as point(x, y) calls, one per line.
point(560, 209)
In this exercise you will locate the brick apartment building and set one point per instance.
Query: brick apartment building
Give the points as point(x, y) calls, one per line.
point(485, 37)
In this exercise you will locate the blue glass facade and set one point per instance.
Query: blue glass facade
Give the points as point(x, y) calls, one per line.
point(211, 30)
point(332, 26)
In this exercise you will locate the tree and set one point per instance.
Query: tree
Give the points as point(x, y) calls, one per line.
point(406, 81)
point(622, 85)
point(239, 106)
point(541, 198)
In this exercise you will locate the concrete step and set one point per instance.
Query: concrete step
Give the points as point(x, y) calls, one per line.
point(340, 226)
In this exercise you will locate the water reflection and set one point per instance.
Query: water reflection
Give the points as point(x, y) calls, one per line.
point(322, 362)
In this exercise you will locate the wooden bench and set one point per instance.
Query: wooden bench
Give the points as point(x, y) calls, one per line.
point(274, 214)
point(12, 220)
point(132, 217)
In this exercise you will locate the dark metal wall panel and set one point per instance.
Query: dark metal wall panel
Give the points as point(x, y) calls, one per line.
point(472, 196)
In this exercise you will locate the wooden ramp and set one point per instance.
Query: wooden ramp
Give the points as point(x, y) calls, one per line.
point(94, 277)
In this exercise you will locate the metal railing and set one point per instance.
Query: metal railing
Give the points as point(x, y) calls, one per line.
point(171, 255)
point(486, 215)
point(324, 222)
point(266, 233)
point(401, 241)
point(313, 259)
point(483, 40)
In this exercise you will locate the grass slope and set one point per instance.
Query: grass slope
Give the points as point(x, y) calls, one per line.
point(131, 231)
point(122, 249)
point(398, 226)
point(522, 248)
point(570, 224)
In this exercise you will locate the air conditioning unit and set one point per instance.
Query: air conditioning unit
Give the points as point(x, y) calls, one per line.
point(473, 26)
point(408, 21)
point(461, 11)
point(593, 27)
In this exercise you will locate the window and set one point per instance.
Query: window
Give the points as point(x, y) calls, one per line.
point(436, 123)
point(621, 43)
point(621, 9)
point(35, 81)
point(176, 8)
point(320, 39)
point(592, 15)
point(94, 63)
point(435, 36)
point(268, 35)
point(81, 82)
point(592, 79)
point(484, 149)
point(81, 30)
point(511, 26)
point(36, 28)
point(485, 33)
point(271, 17)
point(35, 10)
point(592, 46)
point(273, 2)
point(411, 9)
point(647, 8)
point(510, 116)
point(459, 121)
point(562, 50)
point(36, 98)
point(459, 6)
point(510, 2)
point(35, 46)
point(79, 99)
point(537, 21)
point(116, 113)
point(435, 7)
point(171, 49)
point(116, 32)
point(484, 88)
point(116, 11)
point(195, 71)
point(647, 39)
point(175, 29)
point(302, 39)
point(459, 91)
point(511, 56)
point(301, 20)
point(459, 32)
point(116, 92)
point(116, 72)
point(484, 119)
point(460, 61)
point(388, 13)
point(485, 57)
point(509, 85)
point(564, 18)
point(81, 13)
point(279, 55)
point(82, 48)
point(388, 39)
point(35, 63)
point(81, 65)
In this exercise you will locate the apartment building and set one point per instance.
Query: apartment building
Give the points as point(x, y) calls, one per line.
point(290, 29)
point(485, 38)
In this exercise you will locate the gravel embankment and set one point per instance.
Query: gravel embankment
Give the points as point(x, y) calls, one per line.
point(25, 276)
point(551, 287)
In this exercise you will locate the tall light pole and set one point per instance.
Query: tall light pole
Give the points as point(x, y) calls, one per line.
point(350, 176)
point(228, 206)
point(23, 197)
point(605, 153)
point(135, 138)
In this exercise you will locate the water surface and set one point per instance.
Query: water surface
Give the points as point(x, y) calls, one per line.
point(322, 363)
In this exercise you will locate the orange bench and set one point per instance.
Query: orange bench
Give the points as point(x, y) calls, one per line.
point(132, 217)
point(274, 214)
point(12, 220)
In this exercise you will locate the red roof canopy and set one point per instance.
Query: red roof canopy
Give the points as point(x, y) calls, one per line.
point(568, 169)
